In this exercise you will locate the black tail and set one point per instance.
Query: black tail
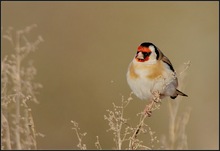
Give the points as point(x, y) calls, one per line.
point(178, 92)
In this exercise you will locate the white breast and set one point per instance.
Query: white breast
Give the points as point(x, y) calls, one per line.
point(143, 84)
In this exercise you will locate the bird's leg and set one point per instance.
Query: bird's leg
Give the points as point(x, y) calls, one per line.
point(149, 107)
point(156, 96)
point(147, 111)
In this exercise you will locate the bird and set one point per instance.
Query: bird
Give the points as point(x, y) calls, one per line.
point(151, 71)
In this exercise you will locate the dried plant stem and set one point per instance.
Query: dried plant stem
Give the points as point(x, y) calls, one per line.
point(30, 134)
point(79, 138)
point(79, 135)
point(177, 138)
point(5, 126)
point(18, 89)
point(147, 113)
point(177, 127)
point(119, 129)
point(97, 143)
point(173, 115)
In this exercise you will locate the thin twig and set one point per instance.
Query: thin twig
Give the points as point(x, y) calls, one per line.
point(147, 113)
point(97, 143)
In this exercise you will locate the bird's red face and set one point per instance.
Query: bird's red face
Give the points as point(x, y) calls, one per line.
point(143, 54)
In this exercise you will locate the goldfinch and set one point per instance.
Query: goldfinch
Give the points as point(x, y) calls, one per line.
point(151, 71)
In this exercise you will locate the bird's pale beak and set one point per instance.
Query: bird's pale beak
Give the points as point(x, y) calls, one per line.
point(140, 55)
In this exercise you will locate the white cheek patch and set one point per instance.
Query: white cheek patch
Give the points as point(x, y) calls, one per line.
point(152, 48)
point(153, 54)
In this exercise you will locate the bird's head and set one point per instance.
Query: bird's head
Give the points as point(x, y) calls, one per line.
point(147, 52)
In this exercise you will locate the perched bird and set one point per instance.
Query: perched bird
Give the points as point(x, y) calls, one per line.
point(151, 71)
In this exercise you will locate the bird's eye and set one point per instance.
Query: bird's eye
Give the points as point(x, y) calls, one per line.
point(146, 54)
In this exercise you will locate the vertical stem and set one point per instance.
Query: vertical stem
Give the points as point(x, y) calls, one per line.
point(4, 110)
point(7, 132)
point(120, 126)
point(18, 89)
point(33, 130)
point(171, 127)
point(27, 131)
point(173, 108)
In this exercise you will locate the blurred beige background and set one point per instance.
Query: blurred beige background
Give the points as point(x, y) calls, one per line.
point(83, 61)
